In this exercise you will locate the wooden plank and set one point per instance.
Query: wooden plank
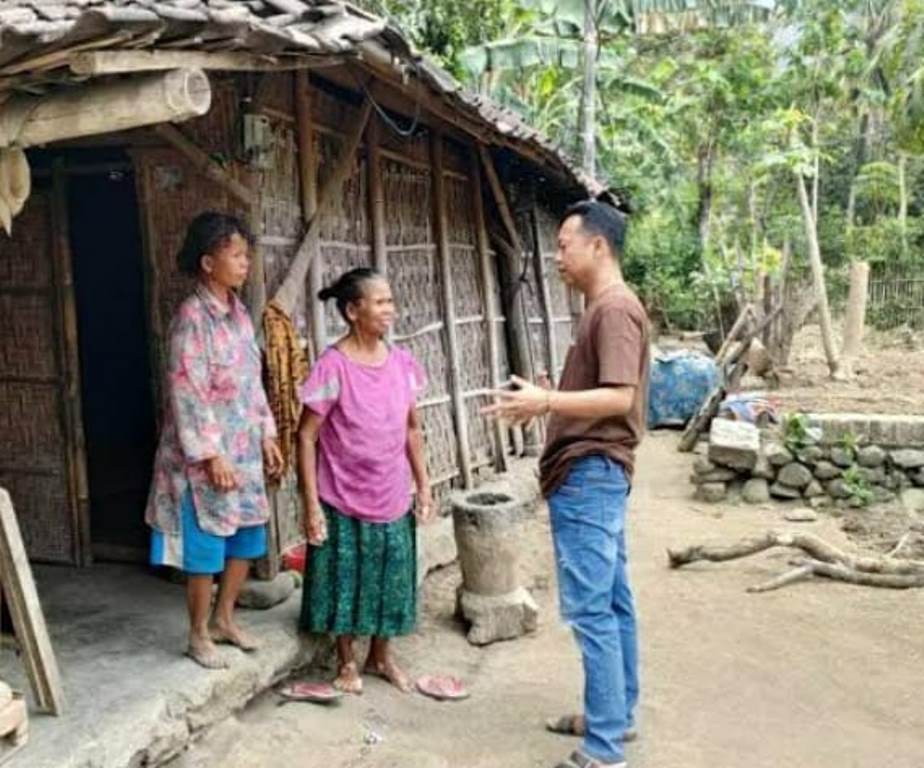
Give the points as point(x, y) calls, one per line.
point(203, 162)
point(486, 271)
point(308, 186)
point(28, 620)
point(119, 62)
point(75, 449)
point(441, 236)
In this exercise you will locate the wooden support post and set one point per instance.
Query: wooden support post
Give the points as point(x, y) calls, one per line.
point(517, 318)
point(26, 610)
point(441, 237)
point(376, 195)
point(287, 294)
point(308, 178)
point(69, 361)
point(490, 309)
point(255, 288)
point(545, 297)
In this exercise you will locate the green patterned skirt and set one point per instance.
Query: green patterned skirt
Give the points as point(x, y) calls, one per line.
point(363, 579)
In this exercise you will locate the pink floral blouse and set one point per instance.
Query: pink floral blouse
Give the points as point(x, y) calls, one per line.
point(214, 404)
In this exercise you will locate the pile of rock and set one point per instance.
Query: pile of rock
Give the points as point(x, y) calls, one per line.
point(755, 464)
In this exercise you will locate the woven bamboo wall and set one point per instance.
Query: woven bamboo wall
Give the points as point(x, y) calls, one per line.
point(470, 313)
point(33, 460)
point(417, 285)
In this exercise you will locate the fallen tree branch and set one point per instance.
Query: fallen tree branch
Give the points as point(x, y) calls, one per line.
point(822, 559)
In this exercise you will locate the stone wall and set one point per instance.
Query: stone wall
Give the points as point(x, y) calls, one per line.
point(845, 460)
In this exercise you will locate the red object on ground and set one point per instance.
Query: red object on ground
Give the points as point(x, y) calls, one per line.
point(294, 559)
point(319, 693)
point(442, 687)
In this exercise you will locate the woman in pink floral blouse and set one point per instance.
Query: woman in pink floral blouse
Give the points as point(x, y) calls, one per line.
point(207, 506)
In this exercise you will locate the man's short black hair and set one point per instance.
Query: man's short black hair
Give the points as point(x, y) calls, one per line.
point(600, 219)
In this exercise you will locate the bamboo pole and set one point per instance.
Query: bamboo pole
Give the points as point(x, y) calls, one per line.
point(255, 288)
point(545, 296)
point(441, 236)
point(490, 310)
point(287, 294)
point(69, 362)
point(518, 328)
point(28, 121)
point(308, 186)
point(376, 195)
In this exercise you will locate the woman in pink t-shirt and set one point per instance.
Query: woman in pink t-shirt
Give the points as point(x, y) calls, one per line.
point(360, 448)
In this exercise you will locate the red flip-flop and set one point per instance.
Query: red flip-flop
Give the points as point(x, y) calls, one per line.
point(442, 687)
point(317, 693)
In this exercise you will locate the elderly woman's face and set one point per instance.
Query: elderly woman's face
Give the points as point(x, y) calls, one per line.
point(374, 313)
point(229, 264)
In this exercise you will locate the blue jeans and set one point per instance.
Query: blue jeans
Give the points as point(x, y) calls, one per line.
point(588, 530)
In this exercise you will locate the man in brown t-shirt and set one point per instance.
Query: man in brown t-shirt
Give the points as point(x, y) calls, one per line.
point(596, 420)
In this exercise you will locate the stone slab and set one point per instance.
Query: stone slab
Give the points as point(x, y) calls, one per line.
point(734, 444)
point(133, 699)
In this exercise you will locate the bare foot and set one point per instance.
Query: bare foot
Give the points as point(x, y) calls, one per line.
point(348, 679)
point(203, 651)
point(390, 671)
point(229, 633)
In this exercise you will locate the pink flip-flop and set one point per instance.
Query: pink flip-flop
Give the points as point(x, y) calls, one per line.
point(442, 687)
point(317, 693)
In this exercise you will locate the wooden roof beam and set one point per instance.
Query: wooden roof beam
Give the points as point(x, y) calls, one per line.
point(94, 63)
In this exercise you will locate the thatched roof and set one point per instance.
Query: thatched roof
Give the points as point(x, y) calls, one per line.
point(42, 41)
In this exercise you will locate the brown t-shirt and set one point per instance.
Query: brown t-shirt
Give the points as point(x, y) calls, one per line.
point(611, 349)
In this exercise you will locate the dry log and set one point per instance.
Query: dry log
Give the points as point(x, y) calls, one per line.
point(27, 121)
point(823, 559)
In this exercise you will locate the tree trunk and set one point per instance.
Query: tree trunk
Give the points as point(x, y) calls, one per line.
point(818, 274)
point(588, 127)
point(903, 200)
point(704, 195)
point(856, 312)
point(864, 141)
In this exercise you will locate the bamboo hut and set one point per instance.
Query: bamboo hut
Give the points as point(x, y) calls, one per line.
point(120, 121)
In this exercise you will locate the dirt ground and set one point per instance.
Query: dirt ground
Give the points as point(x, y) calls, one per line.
point(818, 675)
point(889, 375)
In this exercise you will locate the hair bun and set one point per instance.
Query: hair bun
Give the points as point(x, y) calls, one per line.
point(326, 293)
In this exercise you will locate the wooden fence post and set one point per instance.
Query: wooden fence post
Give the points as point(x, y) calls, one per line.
point(490, 310)
point(441, 237)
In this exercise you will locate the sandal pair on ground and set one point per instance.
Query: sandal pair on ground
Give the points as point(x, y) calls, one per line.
point(573, 725)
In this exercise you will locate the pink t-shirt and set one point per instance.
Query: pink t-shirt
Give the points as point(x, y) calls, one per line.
point(363, 466)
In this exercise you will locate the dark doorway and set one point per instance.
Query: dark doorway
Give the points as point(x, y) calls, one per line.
point(115, 369)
